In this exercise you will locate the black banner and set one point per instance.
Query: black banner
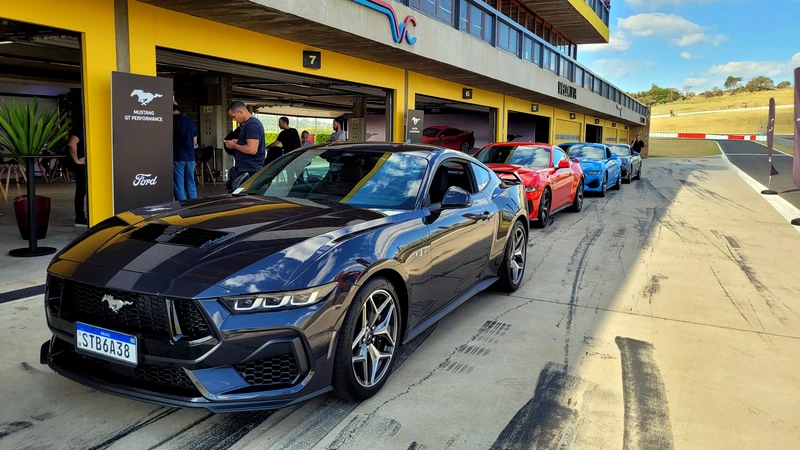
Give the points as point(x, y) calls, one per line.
point(415, 121)
point(141, 128)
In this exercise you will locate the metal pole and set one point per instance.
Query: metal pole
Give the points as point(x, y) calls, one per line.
point(31, 204)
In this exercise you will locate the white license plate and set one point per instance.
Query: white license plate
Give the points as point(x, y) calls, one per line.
point(111, 344)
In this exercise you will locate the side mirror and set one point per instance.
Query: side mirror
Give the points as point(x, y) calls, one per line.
point(563, 164)
point(455, 197)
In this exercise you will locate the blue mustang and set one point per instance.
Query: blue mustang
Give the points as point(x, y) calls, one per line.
point(601, 166)
point(631, 162)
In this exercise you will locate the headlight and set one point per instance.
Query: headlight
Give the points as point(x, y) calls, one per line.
point(254, 303)
point(531, 188)
point(593, 172)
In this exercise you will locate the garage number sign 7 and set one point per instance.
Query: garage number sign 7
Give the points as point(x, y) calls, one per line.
point(312, 60)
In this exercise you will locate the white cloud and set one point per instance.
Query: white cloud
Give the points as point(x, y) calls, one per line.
point(618, 68)
point(677, 29)
point(655, 4)
point(686, 55)
point(697, 84)
point(617, 42)
point(750, 69)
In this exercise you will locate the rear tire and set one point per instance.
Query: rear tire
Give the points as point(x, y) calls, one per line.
point(577, 202)
point(545, 202)
point(512, 270)
point(375, 331)
point(465, 147)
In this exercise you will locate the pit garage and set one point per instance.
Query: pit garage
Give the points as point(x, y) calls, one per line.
point(456, 125)
point(204, 86)
point(528, 127)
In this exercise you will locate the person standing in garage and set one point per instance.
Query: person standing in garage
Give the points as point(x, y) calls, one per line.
point(288, 139)
point(250, 149)
point(76, 163)
point(184, 141)
point(338, 135)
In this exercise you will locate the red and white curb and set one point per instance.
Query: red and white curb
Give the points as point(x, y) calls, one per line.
point(715, 137)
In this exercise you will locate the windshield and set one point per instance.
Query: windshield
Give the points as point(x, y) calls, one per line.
point(587, 152)
point(430, 132)
point(620, 150)
point(364, 179)
point(521, 156)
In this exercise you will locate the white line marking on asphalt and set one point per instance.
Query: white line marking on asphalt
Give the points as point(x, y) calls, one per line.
point(758, 154)
point(791, 156)
point(784, 208)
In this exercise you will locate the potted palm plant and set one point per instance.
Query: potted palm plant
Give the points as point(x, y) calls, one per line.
point(25, 133)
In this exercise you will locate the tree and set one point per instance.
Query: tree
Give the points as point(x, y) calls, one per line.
point(760, 83)
point(687, 90)
point(784, 85)
point(732, 82)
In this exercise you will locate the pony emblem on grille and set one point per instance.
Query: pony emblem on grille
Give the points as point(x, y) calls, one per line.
point(114, 304)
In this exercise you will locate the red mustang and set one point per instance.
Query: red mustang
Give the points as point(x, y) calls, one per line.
point(449, 137)
point(553, 181)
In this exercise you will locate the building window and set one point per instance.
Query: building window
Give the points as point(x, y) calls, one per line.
point(598, 85)
point(439, 9)
point(476, 21)
point(507, 37)
point(579, 76)
point(537, 54)
point(553, 65)
point(527, 49)
point(565, 69)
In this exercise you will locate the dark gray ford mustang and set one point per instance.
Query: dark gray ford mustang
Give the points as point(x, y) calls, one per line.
point(305, 279)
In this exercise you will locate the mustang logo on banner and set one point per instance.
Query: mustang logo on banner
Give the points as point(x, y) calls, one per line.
point(399, 30)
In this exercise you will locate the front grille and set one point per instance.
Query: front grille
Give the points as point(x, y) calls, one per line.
point(155, 375)
point(145, 314)
point(278, 370)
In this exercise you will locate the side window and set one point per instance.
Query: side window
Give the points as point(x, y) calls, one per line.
point(558, 155)
point(448, 174)
point(482, 176)
point(449, 132)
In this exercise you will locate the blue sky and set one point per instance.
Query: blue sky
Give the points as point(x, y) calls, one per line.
point(675, 43)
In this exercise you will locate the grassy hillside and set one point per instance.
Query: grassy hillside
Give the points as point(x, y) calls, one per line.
point(745, 122)
point(679, 148)
point(728, 101)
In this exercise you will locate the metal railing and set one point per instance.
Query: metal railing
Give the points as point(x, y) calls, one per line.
point(511, 37)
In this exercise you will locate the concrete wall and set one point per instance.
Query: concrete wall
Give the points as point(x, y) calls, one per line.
point(444, 44)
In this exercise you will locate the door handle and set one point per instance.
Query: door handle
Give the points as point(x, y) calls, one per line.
point(486, 215)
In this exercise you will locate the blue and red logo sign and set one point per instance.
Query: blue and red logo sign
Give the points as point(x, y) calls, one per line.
point(399, 30)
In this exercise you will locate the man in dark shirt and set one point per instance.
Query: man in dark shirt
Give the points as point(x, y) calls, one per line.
point(77, 164)
point(288, 139)
point(250, 148)
point(184, 141)
point(638, 144)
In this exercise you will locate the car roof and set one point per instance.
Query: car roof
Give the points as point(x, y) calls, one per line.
point(519, 144)
point(590, 144)
point(423, 150)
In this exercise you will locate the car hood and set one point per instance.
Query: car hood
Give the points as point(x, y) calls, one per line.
point(232, 242)
point(592, 164)
point(527, 173)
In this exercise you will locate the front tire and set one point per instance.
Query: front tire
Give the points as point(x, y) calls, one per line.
point(577, 202)
point(513, 267)
point(628, 179)
point(544, 209)
point(368, 341)
point(638, 173)
point(618, 184)
point(604, 185)
point(465, 147)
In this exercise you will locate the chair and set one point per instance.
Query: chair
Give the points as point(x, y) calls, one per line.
point(7, 167)
point(202, 164)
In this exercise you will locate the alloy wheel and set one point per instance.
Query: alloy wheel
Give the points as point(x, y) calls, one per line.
point(374, 344)
point(517, 257)
point(579, 196)
point(545, 207)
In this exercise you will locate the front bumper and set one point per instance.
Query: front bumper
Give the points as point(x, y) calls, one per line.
point(245, 362)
